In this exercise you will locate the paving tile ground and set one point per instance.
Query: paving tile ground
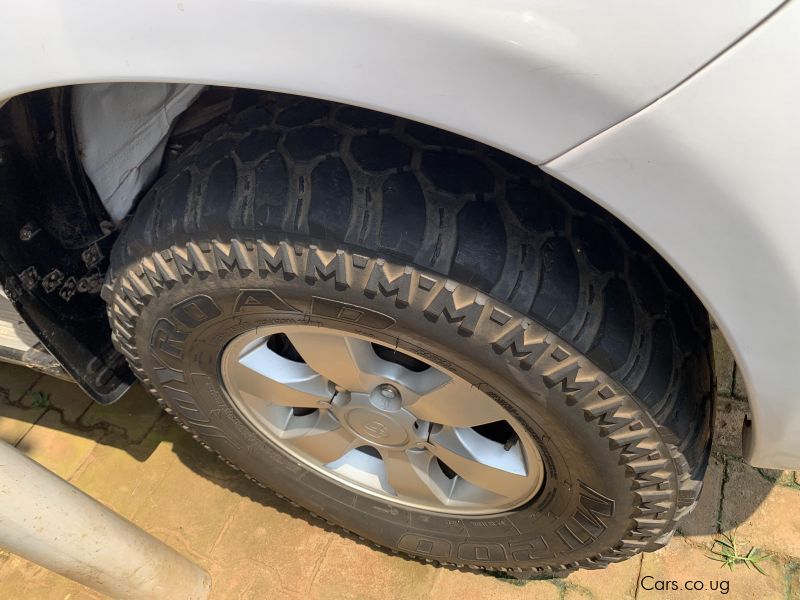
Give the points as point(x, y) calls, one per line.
point(133, 458)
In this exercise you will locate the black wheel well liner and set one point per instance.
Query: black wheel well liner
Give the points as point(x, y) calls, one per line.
point(55, 238)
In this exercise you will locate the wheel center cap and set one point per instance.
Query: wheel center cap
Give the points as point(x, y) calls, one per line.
point(376, 427)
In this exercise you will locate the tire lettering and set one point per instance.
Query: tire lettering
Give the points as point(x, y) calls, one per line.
point(195, 311)
point(155, 270)
point(466, 312)
point(190, 260)
point(585, 526)
point(165, 374)
point(524, 344)
point(484, 552)
point(342, 311)
point(324, 265)
point(232, 256)
point(425, 546)
point(271, 258)
point(567, 373)
point(258, 300)
point(381, 279)
point(533, 549)
point(167, 339)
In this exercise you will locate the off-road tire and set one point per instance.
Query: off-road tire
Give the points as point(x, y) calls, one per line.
point(449, 250)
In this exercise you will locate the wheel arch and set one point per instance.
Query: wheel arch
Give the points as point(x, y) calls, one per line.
point(25, 300)
point(529, 78)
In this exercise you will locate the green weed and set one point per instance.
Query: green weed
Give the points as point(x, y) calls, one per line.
point(726, 551)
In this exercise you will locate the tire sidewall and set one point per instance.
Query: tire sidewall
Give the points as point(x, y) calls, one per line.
point(586, 506)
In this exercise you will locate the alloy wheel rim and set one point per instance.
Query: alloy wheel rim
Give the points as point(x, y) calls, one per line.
point(384, 422)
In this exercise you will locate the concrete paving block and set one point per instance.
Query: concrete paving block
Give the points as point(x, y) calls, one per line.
point(245, 579)
point(15, 422)
point(355, 570)
point(15, 380)
point(452, 583)
point(681, 562)
point(792, 579)
point(134, 414)
point(617, 581)
point(118, 478)
point(63, 395)
point(276, 539)
point(57, 447)
point(24, 580)
point(187, 507)
point(763, 514)
point(728, 423)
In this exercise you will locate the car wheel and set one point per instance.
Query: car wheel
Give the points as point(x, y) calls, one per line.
point(420, 339)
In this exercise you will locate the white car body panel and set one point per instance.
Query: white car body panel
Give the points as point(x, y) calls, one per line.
point(704, 172)
point(709, 176)
point(532, 77)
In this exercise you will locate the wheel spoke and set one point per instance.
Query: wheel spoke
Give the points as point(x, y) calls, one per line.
point(347, 361)
point(265, 375)
point(407, 473)
point(456, 403)
point(482, 462)
point(326, 441)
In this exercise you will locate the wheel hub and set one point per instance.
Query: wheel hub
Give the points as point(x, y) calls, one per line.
point(379, 418)
point(377, 428)
point(420, 437)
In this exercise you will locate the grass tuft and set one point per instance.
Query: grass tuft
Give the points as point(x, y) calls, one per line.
point(726, 551)
point(40, 399)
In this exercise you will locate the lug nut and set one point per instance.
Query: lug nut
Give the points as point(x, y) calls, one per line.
point(388, 391)
point(386, 397)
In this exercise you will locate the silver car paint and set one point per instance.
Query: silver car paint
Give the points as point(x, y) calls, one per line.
point(709, 176)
